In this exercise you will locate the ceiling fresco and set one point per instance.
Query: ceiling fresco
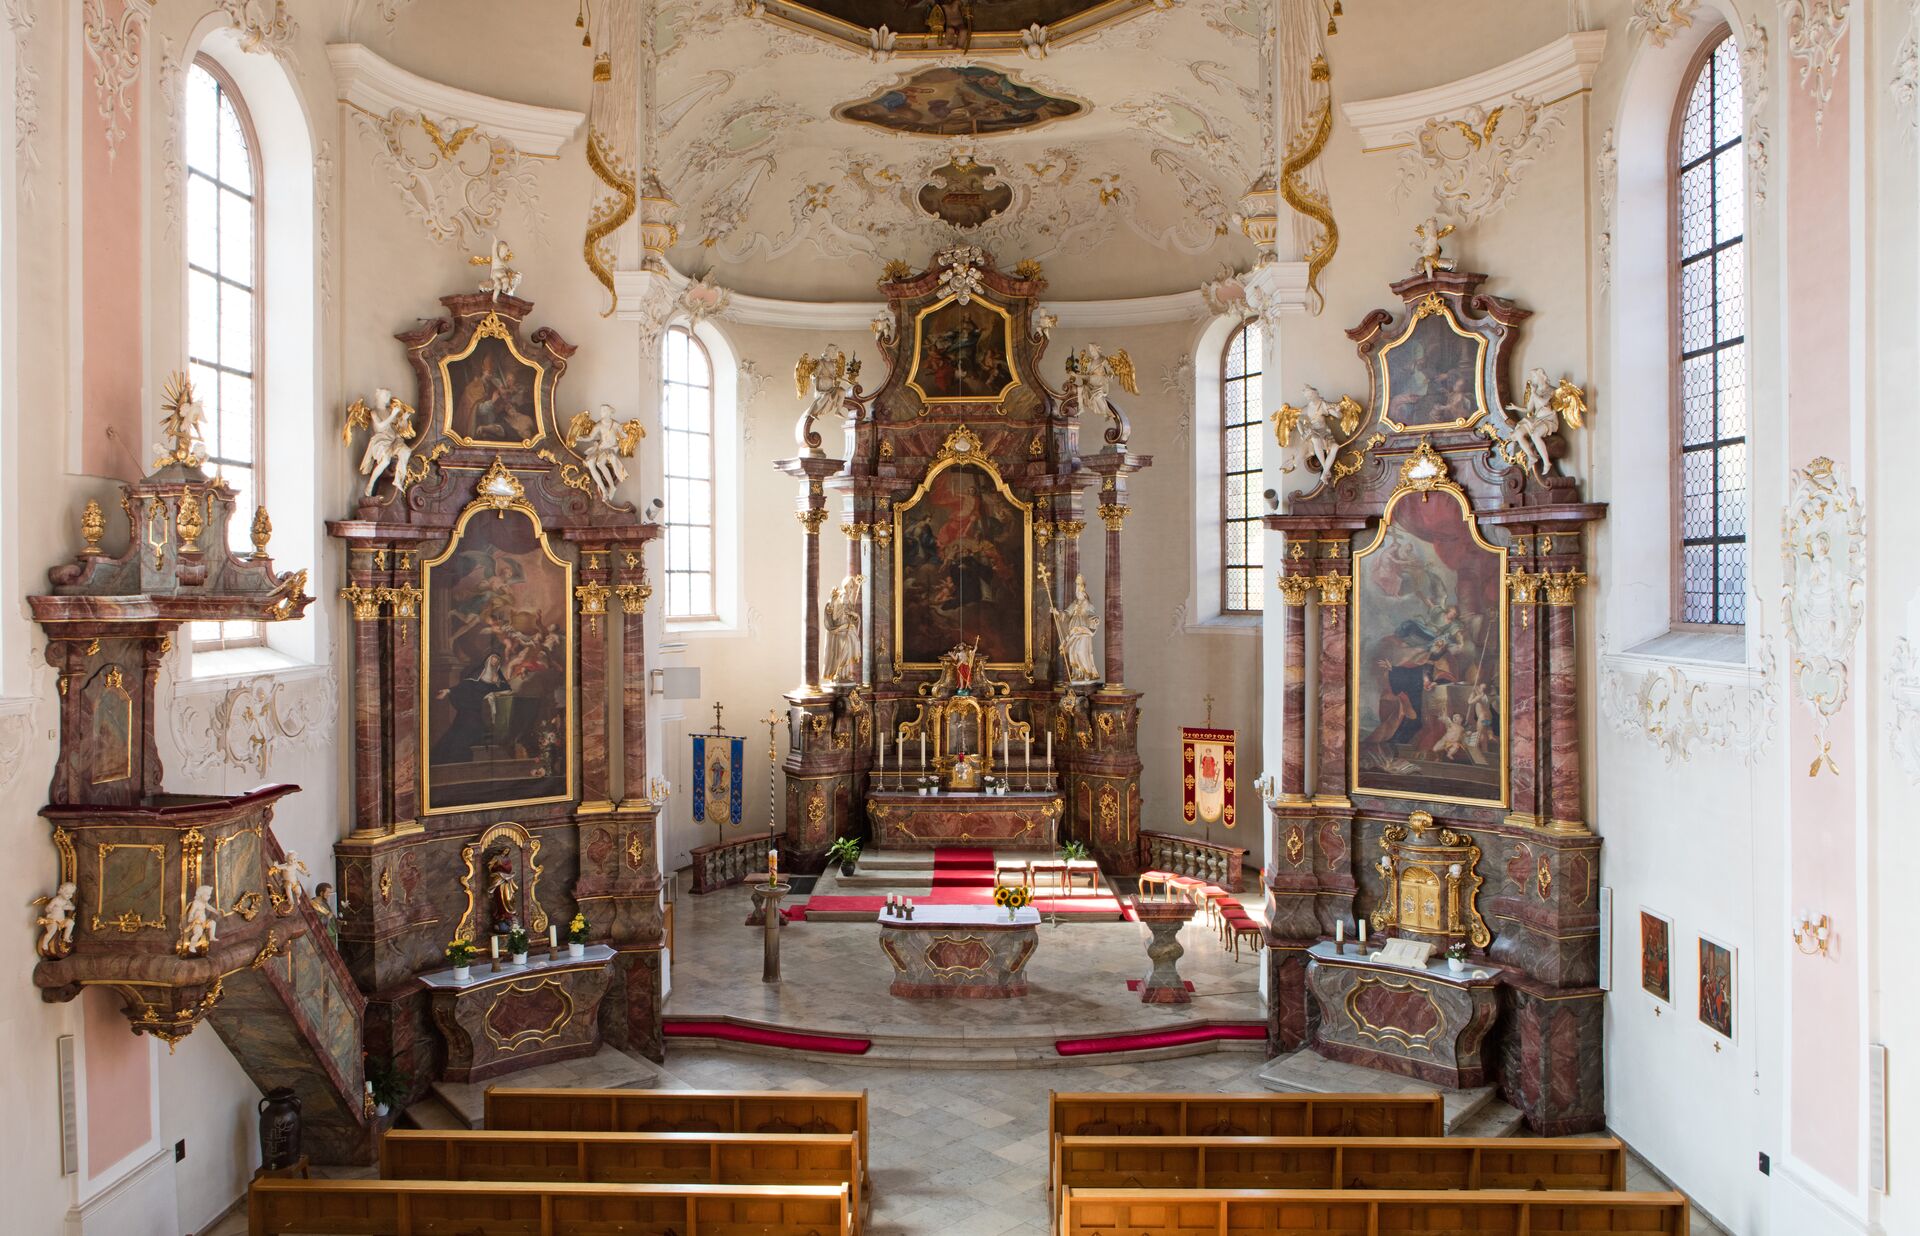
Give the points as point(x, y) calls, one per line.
point(969, 101)
point(1144, 133)
point(925, 27)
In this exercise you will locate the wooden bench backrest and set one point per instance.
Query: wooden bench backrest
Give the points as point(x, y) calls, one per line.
point(680, 1111)
point(1238, 1212)
point(1242, 1115)
point(624, 1158)
point(1591, 1164)
point(419, 1207)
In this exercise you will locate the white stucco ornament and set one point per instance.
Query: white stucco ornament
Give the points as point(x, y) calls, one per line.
point(1823, 549)
point(1903, 695)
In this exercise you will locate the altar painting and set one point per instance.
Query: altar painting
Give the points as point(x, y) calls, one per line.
point(963, 353)
point(1429, 675)
point(962, 567)
point(491, 392)
point(962, 101)
point(497, 701)
point(1433, 376)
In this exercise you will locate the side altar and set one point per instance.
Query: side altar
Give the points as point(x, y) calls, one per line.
point(1431, 790)
point(963, 652)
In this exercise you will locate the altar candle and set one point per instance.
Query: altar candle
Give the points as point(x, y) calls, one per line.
point(883, 750)
point(553, 935)
point(1049, 748)
point(923, 753)
point(1340, 935)
point(493, 942)
point(1003, 749)
point(1363, 932)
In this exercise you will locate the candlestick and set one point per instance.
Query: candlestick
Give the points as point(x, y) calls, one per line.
point(883, 750)
point(1049, 748)
point(923, 753)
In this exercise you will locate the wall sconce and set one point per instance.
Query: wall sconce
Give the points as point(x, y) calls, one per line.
point(1812, 935)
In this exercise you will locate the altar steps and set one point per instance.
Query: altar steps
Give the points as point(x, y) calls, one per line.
point(1479, 1112)
point(857, 898)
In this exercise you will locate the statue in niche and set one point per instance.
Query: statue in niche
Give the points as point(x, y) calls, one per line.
point(1075, 627)
point(841, 660)
point(56, 920)
point(503, 889)
point(1543, 404)
point(201, 925)
point(1091, 375)
point(389, 440)
point(602, 442)
point(829, 376)
point(1321, 424)
point(502, 279)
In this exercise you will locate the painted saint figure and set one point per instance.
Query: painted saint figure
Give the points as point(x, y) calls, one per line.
point(473, 704)
point(1075, 627)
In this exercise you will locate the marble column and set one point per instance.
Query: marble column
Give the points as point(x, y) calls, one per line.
point(369, 714)
point(1294, 590)
point(1566, 813)
point(633, 597)
point(592, 595)
point(1114, 514)
point(1524, 713)
point(1330, 781)
point(404, 618)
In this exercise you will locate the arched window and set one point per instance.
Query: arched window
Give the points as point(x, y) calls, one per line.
point(1242, 453)
point(687, 425)
point(223, 302)
point(1710, 477)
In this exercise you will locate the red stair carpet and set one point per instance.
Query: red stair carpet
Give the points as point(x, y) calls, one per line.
point(1147, 1039)
point(726, 1031)
point(955, 867)
point(1066, 906)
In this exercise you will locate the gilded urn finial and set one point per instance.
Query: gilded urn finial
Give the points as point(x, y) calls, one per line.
point(93, 526)
point(189, 521)
point(262, 532)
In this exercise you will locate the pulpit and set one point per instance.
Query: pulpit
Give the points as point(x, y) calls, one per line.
point(963, 495)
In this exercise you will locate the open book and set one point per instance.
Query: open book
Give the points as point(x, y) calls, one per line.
point(1412, 954)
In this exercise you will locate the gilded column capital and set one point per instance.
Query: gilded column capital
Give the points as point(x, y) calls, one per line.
point(401, 602)
point(593, 603)
point(1113, 514)
point(1070, 529)
point(812, 519)
point(633, 597)
point(1523, 587)
point(1563, 587)
point(1043, 532)
point(1294, 589)
point(365, 602)
point(1334, 588)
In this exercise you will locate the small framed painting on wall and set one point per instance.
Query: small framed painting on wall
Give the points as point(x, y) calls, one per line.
point(1718, 987)
point(1656, 956)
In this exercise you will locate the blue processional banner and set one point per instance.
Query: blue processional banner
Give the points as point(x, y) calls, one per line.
point(719, 765)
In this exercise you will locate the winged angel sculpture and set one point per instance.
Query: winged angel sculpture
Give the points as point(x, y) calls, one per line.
point(1543, 405)
point(1320, 424)
point(389, 437)
point(602, 441)
point(1091, 374)
point(829, 376)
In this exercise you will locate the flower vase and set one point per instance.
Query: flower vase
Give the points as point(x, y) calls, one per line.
point(1457, 964)
point(519, 959)
point(462, 973)
point(576, 949)
point(381, 1110)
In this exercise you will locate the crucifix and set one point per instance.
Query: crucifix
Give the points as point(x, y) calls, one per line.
point(716, 718)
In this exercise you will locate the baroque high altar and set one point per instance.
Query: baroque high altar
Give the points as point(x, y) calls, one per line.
point(960, 648)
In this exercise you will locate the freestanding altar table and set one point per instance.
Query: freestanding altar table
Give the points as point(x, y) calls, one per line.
point(966, 952)
point(905, 820)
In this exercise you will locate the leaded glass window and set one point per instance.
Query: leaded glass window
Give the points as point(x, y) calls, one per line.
point(1242, 455)
point(686, 422)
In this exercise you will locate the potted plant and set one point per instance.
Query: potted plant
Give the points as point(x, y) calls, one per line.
point(1073, 851)
point(577, 936)
point(460, 956)
point(387, 1083)
point(517, 945)
point(846, 852)
point(1457, 956)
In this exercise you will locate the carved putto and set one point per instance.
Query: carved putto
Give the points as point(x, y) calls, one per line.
point(603, 443)
point(502, 279)
point(1543, 405)
point(1321, 424)
point(200, 927)
point(283, 880)
point(56, 920)
point(829, 378)
point(1428, 235)
point(389, 440)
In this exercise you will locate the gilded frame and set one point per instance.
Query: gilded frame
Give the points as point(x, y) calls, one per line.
point(1424, 491)
point(130, 919)
point(969, 457)
point(1007, 341)
point(1434, 304)
point(471, 854)
point(511, 1043)
point(493, 326)
point(477, 507)
point(247, 903)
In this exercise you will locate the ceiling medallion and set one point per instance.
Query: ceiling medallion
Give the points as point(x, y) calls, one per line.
point(966, 194)
point(945, 26)
point(968, 100)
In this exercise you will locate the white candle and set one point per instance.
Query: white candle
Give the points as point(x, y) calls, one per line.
point(1363, 931)
point(1340, 934)
point(1003, 748)
point(493, 942)
point(1049, 748)
point(553, 935)
point(883, 750)
point(923, 753)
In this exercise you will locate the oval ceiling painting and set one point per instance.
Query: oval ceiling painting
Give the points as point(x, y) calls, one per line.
point(970, 100)
point(930, 26)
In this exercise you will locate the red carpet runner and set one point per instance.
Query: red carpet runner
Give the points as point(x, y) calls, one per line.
point(791, 1040)
point(954, 867)
point(1145, 1040)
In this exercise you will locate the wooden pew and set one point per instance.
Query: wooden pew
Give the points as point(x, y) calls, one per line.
point(1218, 1212)
point(1589, 1164)
point(681, 1111)
point(625, 1158)
point(1240, 1115)
point(519, 1208)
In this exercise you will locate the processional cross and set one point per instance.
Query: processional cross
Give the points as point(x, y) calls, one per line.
point(716, 718)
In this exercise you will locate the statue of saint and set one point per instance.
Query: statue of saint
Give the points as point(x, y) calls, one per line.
point(840, 661)
point(503, 889)
point(1075, 627)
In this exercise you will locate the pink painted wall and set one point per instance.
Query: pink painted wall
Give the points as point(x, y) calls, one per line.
point(110, 282)
point(119, 1083)
point(1827, 1032)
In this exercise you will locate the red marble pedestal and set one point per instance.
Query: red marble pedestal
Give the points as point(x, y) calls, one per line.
point(1164, 917)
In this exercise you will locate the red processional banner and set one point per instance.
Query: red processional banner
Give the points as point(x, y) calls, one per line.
point(1208, 775)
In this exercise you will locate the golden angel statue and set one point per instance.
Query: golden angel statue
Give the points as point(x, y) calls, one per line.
point(1321, 425)
point(56, 920)
point(389, 437)
point(1543, 405)
point(602, 441)
point(200, 926)
point(840, 662)
point(1075, 626)
point(502, 279)
point(1428, 236)
point(183, 426)
point(829, 378)
point(1091, 376)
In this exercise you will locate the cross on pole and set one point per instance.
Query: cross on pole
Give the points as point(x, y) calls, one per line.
point(773, 719)
point(716, 718)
